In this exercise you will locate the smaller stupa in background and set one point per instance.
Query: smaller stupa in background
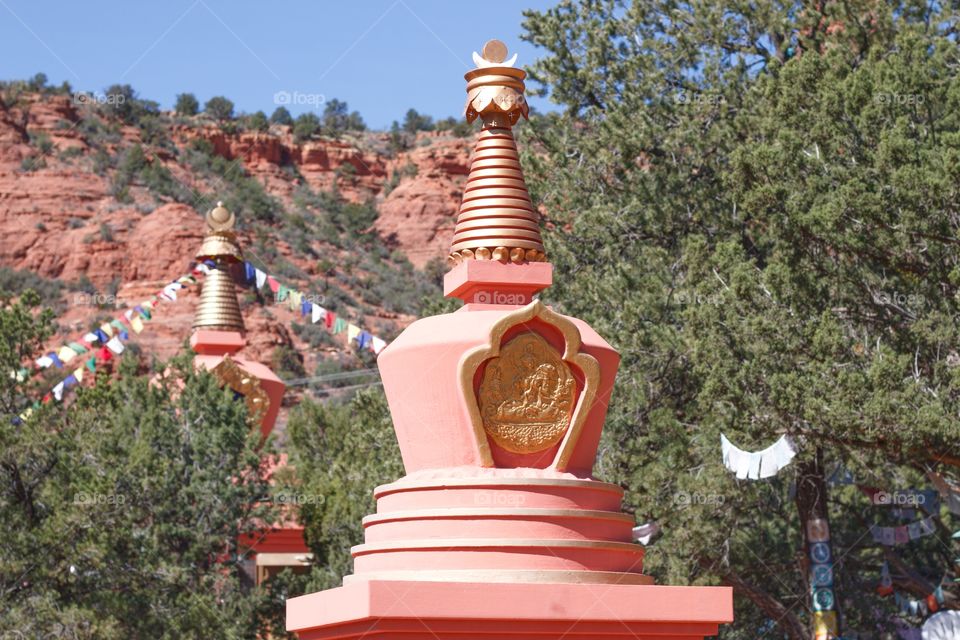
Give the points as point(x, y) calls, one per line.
point(218, 330)
point(218, 334)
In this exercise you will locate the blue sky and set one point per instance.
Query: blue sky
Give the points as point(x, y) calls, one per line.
point(381, 56)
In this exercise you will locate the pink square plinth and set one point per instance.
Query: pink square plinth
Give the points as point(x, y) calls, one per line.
point(495, 282)
point(461, 610)
point(208, 342)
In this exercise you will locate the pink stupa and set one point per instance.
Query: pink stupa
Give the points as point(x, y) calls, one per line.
point(498, 530)
point(217, 339)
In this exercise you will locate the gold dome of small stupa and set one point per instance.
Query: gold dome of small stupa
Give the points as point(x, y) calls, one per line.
point(219, 309)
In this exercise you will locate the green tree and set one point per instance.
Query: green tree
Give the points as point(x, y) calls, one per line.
point(341, 452)
point(258, 122)
point(414, 121)
point(281, 115)
point(219, 107)
point(121, 508)
point(187, 104)
point(399, 139)
point(38, 82)
point(337, 118)
point(767, 192)
point(306, 125)
point(120, 101)
point(457, 126)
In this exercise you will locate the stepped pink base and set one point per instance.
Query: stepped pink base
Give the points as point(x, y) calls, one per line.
point(464, 610)
point(465, 553)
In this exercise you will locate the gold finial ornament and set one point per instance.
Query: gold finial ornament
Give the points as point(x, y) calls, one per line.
point(220, 219)
point(219, 309)
point(494, 51)
point(495, 89)
point(497, 220)
point(220, 241)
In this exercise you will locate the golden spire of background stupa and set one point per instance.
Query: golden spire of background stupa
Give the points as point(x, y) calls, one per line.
point(219, 309)
point(497, 220)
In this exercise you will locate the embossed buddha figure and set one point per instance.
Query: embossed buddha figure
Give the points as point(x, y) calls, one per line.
point(527, 396)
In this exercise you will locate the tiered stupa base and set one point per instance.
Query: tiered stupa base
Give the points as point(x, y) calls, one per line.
point(414, 610)
point(503, 553)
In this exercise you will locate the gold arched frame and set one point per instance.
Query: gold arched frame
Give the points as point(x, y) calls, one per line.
point(587, 364)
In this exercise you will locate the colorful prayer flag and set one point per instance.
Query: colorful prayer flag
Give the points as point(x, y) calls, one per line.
point(115, 345)
point(364, 339)
point(353, 331)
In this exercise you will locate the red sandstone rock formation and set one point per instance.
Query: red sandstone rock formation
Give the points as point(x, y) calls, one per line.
point(62, 222)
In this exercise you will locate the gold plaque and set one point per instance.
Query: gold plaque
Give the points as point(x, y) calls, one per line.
point(542, 390)
point(247, 385)
point(527, 395)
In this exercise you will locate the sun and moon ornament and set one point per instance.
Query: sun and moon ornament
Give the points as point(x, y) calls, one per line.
point(497, 219)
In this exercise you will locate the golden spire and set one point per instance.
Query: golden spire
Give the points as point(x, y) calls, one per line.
point(218, 309)
point(497, 220)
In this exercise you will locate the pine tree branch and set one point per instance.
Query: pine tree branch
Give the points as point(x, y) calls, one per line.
point(775, 610)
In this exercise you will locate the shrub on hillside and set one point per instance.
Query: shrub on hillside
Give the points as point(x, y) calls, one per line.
point(219, 107)
point(305, 126)
point(187, 105)
point(415, 121)
point(32, 163)
point(257, 122)
point(337, 118)
point(281, 116)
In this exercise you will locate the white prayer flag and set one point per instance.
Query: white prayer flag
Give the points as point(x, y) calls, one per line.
point(757, 464)
point(645, 532)
point(115, 345)
point(942, 626)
